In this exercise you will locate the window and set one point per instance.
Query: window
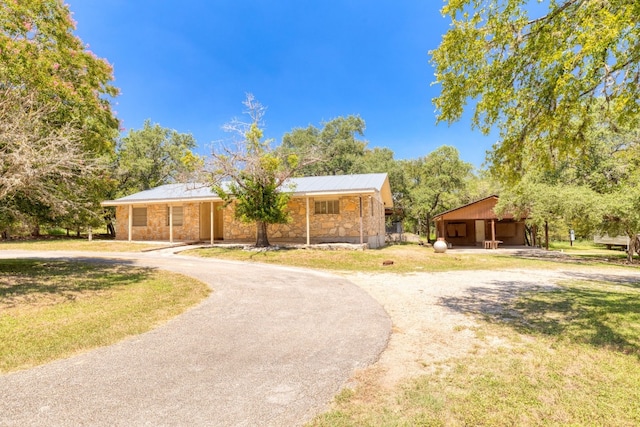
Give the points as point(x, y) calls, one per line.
point(327, 207)
point(456, 229)
point(177, 216)
point(139, 217)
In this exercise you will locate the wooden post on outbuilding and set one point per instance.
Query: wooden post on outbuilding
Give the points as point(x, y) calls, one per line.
point(493, 230)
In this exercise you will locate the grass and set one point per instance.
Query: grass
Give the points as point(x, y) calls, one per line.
point(54, 309)
point(570, 356)
point(71, 244)
point(587, 249)
point(407, 258)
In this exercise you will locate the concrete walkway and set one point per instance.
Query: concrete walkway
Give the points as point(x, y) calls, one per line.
point(271, 346)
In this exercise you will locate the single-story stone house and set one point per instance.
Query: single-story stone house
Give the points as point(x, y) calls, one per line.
point(476, 224)
point(324, 209)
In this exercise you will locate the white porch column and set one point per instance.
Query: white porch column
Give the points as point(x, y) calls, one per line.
point(212, 224)
point(361, 224)
point(308, 226)
point(170, 224)
point(130, 227)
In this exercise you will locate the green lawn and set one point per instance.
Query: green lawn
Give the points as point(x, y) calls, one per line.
point(407, 258)
point(53, 309)
point(70, 244)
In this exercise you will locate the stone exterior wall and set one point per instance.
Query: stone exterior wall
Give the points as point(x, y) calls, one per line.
point(343, 227)
point(157, 228)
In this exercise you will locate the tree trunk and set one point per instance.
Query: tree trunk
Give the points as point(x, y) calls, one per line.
point(111, 229)
point(428, 229)
point(546, 235)
point(634, 246)
point(262, 240)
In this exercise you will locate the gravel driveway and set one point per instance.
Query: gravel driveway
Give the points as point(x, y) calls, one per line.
point(434, 314)
point(271, 346)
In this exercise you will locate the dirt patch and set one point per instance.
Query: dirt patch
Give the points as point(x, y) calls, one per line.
point(434, 314)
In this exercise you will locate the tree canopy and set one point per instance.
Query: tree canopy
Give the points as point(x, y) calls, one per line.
point(599, 193)
point(335, 146)
point(40, 54)
point(435, 183)
point(153, 156)
point(537, 71)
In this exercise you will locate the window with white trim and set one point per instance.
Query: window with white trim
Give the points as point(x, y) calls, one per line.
point(178, 216)
point(323, 207)
point(139, 217)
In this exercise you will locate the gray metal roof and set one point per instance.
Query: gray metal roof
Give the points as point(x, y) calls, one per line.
point(170, 192)
point(313, 185)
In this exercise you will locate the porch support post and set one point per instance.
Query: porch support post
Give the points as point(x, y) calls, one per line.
point(308, 223)
point(493, 230)
point(130, 226)
point(212, 224)
point(361, 224)
point(170, 223)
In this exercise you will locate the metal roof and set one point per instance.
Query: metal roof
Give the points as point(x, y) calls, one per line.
point(305, 186)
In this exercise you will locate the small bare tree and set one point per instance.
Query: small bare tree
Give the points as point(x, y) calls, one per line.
point(252, 174)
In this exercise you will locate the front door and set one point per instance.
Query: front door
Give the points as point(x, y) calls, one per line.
point(480, 231)
point(205, 221)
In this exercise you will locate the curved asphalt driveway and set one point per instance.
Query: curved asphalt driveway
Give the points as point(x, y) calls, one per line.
point(270, 346)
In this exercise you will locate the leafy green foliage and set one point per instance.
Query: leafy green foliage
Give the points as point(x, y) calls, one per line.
point(538, 71)
point(39, 53)
point(334, 146)
point(153, 156)
point(435, 183)
point(596, 191)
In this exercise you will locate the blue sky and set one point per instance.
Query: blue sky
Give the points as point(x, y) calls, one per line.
point(187, 65)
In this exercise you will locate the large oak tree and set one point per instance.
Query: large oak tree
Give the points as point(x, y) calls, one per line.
point(57, 122)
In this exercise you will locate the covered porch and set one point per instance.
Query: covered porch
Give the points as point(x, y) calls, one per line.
point(476, 224)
